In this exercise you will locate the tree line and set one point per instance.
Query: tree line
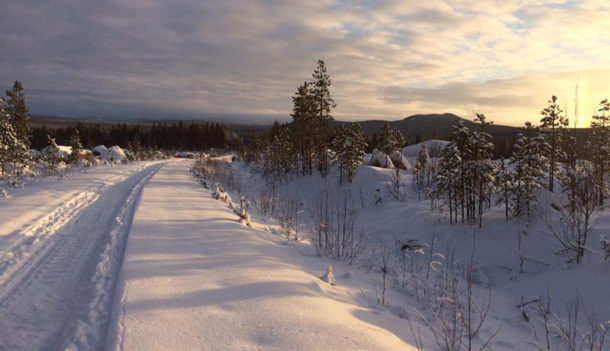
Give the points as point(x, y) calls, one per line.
point(196, 136)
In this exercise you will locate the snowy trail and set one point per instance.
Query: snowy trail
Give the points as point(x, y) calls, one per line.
point(45, 277)
point(193, 278)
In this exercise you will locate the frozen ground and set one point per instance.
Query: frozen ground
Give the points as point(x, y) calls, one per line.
point(195, 278)
point(140, 257)
point(53, 237)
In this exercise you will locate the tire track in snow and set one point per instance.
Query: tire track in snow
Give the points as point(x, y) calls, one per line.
point(36, 235)
point(91, 328)
point(47, 291)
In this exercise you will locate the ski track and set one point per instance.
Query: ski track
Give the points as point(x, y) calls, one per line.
point(57, 283)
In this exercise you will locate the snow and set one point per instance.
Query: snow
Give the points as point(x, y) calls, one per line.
point(116, 154)
point(101, 151)
point(49, 251)
point(63, 151)
point(113, 154)
point(496, 262)
point(194, 278)
point(141, 256)
point(434, 147)
point(380, 159)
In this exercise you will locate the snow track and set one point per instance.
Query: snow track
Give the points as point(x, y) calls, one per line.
point(56, 284)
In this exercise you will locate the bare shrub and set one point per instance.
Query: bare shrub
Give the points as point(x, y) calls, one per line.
point(575, 218)
point(334, 233)
point(454, 315)
point(573, 332)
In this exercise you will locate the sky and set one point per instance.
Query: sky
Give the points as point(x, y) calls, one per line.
point(244, 60)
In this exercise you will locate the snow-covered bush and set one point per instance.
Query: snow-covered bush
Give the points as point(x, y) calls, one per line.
point(220, 194)
point(329, 276)
point(242, 212)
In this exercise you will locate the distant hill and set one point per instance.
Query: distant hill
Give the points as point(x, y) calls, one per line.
point(432, 126)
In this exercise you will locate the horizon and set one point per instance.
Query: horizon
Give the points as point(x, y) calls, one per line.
point(244, 60)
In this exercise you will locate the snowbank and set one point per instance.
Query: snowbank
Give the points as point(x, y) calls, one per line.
point(380, 159)
point(116, 154)
point(400, 160)
point(63, 152)
point(434, 147)
point(101, 151)
point(185, 154)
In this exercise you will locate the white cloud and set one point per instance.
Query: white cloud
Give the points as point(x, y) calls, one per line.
point(387, 59)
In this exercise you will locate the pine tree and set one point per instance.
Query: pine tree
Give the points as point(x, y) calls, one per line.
point(8, 139)
point(552, 123)
point(421, 167)
point(600, 124)
point(390, 139)
point(349, 145)
point(502, 185)
point(18, 112)
point(446, 180)
point(303, 126)
point(52, 156)
point(323, 105)
point(255, 149)
point(469, 184)
point(75, 143)
point(480, 170)
point(529, 163)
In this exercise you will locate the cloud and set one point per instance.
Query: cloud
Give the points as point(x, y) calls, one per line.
point(387, 59)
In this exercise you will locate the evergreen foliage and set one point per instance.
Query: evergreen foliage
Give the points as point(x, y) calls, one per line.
point(552, 124)
point(600, 124)
point(77, 146)
point(349, 145)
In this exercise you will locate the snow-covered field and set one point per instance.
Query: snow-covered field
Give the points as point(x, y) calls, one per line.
point(141, 257)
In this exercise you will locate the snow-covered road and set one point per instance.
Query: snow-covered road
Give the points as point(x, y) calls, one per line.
point(58, 270)
point(194, 278)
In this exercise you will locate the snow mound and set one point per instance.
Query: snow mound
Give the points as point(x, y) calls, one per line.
point(35, 154)
point(434, 147)
point(380, 159)
point(63, 151)
point(101, 151)
point(185, 154)
point(329, 276)
point(400, 161)
point(116, 154)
